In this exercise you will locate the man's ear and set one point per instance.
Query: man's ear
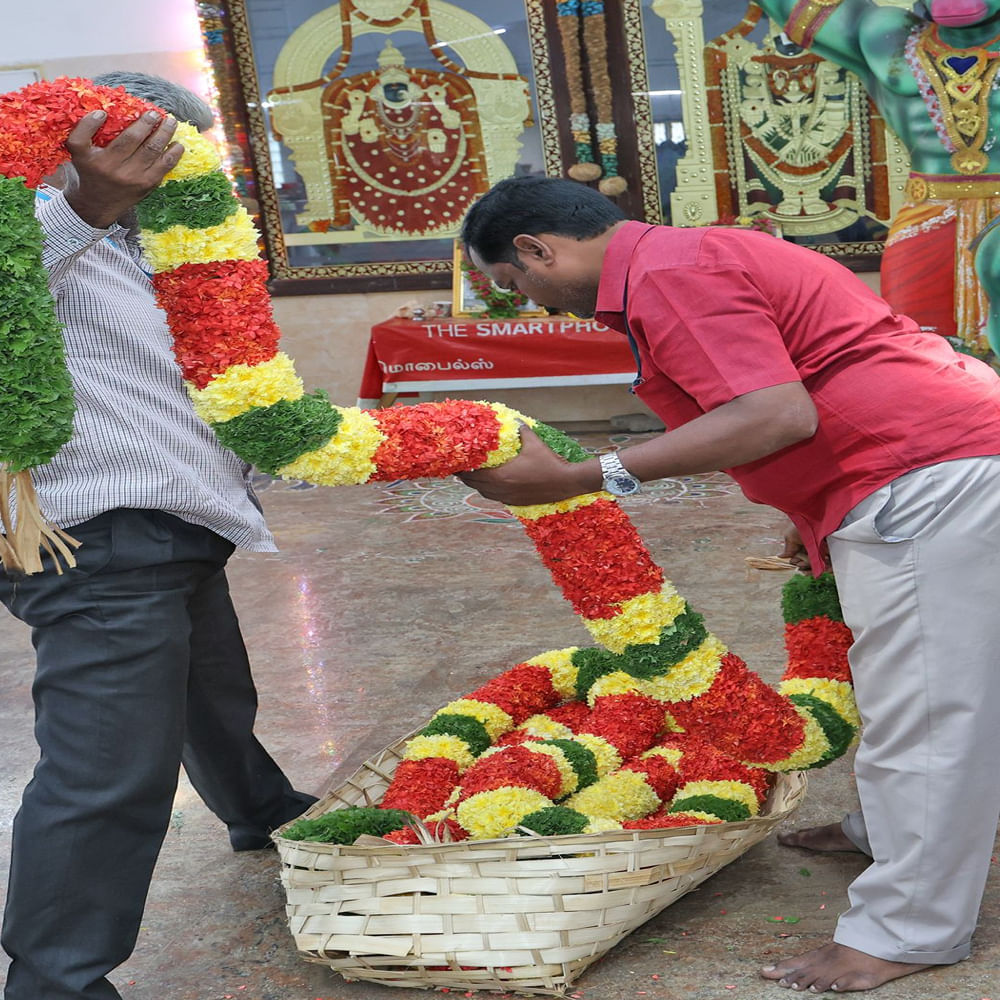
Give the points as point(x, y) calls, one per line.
point(533, 246)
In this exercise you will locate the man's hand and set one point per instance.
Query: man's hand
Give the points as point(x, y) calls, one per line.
point(794, 551)
point(116, 177)
point(537, 475)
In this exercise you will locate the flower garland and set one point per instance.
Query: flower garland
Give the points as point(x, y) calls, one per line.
point(657, 669)
point(583, 32)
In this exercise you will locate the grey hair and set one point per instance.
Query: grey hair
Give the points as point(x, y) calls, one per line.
point(178, 101)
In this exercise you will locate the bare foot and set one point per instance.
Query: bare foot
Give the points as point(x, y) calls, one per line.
point(819, 838)
point(838, 968)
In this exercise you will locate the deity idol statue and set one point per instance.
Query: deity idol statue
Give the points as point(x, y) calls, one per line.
point(934, 80)
point(406, 148)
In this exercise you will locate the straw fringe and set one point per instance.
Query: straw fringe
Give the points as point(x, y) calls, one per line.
point(20, 546)
point(518, 914)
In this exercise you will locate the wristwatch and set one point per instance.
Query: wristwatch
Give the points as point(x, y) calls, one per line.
point(617, 479)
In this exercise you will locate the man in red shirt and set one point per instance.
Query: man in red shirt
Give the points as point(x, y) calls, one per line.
point(882, 445)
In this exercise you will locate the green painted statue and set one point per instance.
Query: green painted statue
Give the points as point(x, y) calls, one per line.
point(934, 80)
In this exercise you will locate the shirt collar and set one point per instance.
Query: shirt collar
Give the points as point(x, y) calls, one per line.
point(614, 273)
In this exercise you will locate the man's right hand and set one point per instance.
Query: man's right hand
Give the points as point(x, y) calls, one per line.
point(116, 177)
point(795, 551)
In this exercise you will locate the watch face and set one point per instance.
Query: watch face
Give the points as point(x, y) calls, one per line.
point(621, 486)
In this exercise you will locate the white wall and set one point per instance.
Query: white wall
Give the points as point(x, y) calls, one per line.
point(60, 29)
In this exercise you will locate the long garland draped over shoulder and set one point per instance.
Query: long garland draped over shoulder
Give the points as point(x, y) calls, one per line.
point(656, 670)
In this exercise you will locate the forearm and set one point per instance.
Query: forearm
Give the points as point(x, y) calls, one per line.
point(65, 235)
point(744, 429)
point(830, 28)
point(748, 428)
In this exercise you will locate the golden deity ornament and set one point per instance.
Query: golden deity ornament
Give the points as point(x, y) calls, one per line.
point(961, 80)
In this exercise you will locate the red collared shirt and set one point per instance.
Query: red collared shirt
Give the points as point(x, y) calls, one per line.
point(717, 313)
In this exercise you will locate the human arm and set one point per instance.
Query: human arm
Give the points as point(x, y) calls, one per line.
point(746, 428)
point(795, 550)
point(834, 29)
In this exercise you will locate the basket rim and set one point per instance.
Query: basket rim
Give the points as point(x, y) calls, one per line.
point(796, 781)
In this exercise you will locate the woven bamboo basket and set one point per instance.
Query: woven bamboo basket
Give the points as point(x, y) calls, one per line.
point(522, 914)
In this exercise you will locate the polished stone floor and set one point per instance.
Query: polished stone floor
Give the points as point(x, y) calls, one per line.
point(385, 602)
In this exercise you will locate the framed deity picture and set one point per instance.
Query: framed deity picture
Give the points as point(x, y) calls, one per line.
point(474, 294)
point(374, 124)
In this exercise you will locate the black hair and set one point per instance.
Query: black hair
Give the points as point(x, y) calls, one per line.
point(534, 205)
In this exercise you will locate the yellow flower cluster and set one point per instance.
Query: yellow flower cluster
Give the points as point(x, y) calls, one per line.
point(640, 620)
point(559, 664)
point(201, 156)
point(510, 435)
point(235, 238)
point(440, 745)
point(242, 387)
point(347, 459)
point(621, 796)
point(499, 811)
point(539, 510)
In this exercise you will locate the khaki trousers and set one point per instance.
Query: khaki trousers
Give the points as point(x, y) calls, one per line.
point(918, 570)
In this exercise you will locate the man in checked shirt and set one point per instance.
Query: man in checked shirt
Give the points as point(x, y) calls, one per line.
point(140, 662)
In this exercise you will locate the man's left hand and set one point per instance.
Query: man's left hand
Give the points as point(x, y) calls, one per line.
point(536, 476)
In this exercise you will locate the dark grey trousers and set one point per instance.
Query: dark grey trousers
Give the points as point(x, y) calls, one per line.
point(140, 667)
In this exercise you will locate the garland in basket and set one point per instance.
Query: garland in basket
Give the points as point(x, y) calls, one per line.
point(653, 651)
point(526, 752)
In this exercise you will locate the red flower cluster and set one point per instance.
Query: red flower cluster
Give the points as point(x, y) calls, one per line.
point(35, 121)
point(660, 775)
point(817, 647)
point(629, 722)
point(704, 761)
point(663, 820)
point(596, 557)
point(220, 315)
point(514, 765)
point(421, 786)
point(522, 691)
point(435, 441)
point(766, 728)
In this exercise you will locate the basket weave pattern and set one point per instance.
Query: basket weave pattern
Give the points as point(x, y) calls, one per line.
point(525, 914)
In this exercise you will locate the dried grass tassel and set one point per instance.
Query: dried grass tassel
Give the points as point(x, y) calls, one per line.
point(20, 546)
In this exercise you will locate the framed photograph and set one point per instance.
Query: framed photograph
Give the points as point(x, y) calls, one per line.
point(474, 294)
point(374, 124)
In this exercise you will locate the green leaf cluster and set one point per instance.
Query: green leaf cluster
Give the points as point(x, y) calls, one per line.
point(554, 821)
point(642, 660)
point(562, 444)
point(344, 826)
point(36, 392)
point(726, 809)
point(197, 203)
point(582, 760)
point(465, 727)
point(270, 437)
point(805, 596)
